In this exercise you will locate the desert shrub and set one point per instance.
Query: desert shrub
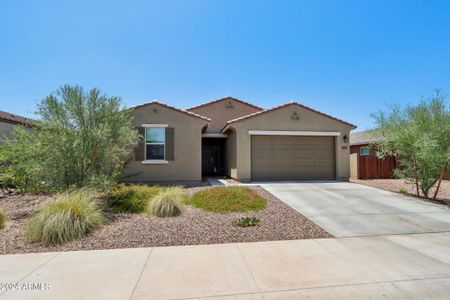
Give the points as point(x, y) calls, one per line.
point(246, 222)
point(132, 198)
point(167, 203)
point(82, 139)
point(2, 219)
point(228, 199)
point(418, 136)
point(69, 218)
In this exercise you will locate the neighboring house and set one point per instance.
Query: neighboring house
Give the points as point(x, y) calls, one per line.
point(229, 137)
point(364, 163)
point(8, 121)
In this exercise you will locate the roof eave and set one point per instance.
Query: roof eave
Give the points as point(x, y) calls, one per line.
point(223, 99)
point(157, 102)
point(256, 114)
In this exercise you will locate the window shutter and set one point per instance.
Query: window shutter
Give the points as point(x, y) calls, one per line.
point(139, 151)
point(170, 143)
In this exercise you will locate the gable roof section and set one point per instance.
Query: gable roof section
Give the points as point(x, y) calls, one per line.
point(228, 98)
point(189, 113)
point(15, 119)
point(283, 106)
point(365, 137)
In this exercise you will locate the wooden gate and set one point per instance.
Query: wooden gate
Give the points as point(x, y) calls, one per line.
point(373, 167)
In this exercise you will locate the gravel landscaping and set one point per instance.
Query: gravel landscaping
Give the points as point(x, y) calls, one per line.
point(194, 226)
point(394, 185)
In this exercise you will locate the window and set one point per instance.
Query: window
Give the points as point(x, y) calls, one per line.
point(364, 151)
point(155, 143)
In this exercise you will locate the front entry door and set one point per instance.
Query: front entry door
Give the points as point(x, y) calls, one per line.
point(212, 156)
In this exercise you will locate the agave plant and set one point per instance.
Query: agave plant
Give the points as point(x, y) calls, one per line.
point(246, 221)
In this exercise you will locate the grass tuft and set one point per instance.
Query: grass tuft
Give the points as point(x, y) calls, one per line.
point(132, 198)
point(69, 218)
point(2, 219)
point(167, 203)
point(228, 199)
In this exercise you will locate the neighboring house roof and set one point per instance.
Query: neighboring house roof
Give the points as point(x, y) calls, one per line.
point(225, 99)
point(171, 107)
point(15, 119)
point(365, 137)
point(282, 106)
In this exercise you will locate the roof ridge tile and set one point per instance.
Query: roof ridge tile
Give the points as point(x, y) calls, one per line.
point(156, 101)
point(10, 117)
point(282, 106)
point(222, 99)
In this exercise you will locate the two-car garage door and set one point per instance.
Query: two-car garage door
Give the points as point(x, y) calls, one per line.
point(292, 157)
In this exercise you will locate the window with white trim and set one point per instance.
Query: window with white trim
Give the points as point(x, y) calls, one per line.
point(364, 151)
point(155, 143)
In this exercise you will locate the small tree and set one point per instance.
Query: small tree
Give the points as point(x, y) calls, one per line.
point(77, 142)
point(419, 136)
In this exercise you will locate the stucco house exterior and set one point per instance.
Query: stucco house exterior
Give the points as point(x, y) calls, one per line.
point(8, 121)
point(230, 137)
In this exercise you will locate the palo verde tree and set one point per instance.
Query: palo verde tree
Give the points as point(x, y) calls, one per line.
point(78, 140)
point(419, 137)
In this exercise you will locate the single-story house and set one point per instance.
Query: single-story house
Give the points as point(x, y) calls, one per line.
point(230, 137)
point(364, 163)
point(8, 121)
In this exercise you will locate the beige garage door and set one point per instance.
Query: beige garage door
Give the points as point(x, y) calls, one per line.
point(293, 158)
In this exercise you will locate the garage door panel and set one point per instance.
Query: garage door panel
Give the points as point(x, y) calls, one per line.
point(292, 158)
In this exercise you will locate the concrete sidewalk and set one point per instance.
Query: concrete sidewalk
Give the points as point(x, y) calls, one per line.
point(415, 266)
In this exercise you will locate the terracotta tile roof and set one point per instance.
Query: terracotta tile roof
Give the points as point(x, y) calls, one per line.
point(282, 106)
point(172, 107)
point(223, 99)
point(11, 118)
point(365, 137)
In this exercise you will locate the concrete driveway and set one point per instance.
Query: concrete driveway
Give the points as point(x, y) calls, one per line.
point(347, 209)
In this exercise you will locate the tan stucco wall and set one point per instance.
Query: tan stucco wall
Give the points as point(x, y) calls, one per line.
point(230, 154)
point(281, 120)
point(5, 129)
point(188, 134)
point(354, 166)
point(219, 113)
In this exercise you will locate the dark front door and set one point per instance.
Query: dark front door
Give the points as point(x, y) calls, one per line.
point(213, 156)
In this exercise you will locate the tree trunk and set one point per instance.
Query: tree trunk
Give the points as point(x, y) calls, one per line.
point(416, 178)
point(425, 192)
point(441, 175)
point(417, 187)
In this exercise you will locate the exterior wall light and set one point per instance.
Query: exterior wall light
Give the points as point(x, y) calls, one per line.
point(345, 138)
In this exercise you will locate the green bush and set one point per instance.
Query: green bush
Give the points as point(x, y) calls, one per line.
point(132, 198)
point(246, 222)
point(2, 219)
point(167, 203)
point(402, 191)
point(82, 139)
point(69, 218)
point(228, 199)
point(418, 137)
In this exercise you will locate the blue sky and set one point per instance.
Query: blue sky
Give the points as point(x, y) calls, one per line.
point(345, 58)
